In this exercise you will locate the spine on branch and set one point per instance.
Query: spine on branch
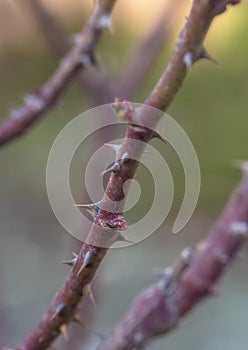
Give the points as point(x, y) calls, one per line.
point(159, 308)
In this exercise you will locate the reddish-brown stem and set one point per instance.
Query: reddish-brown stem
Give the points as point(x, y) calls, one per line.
point(43, 98)
point(104, 230)
point(159, 308)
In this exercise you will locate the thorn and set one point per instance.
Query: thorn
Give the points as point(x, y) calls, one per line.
point(137, 128)
point(205, 55)
point(160, 137)
point(63, 330)
point(188, 255)
point(220, 256)
point(60, 311)
point(120, 238)
point(87, 291)
point(168, 276)
point(114, 147)
point(71, 262)
point(88, 259)
point(239, 228)
point(77, 319)
point(141, 128)
point(104, 22)
point(36, 102)
point(85, 59)
point(188, 60)
point(115, 168)
point(91, 208)
point(125, 158)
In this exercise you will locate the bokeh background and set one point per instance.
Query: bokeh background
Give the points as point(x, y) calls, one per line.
point(212, 109)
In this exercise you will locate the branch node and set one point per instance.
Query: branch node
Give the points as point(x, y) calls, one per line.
point(124, 110)
point(117, 222)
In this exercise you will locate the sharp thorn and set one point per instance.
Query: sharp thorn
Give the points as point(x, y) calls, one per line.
point(60, 311)
point(115, 168)
point(91, 208)
point(94, 61)
point(70, 263)
point(88, 259)
point(205, 55)
point(120, 238)
point(160, 137)
point(239, 228)
point(87, 291)
point(125, 158)
point(137, 128)
point(63, 330)
point(114, 147)
point(188, 255)
point(77, 319)
point(81, 268)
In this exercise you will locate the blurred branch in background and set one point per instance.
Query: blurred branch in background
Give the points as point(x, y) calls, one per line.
point(158, 310)
point(103, 87)
point(52, 29)
point(143, 57)
point(80, 56)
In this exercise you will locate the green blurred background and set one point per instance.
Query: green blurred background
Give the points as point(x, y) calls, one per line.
point(212, 109)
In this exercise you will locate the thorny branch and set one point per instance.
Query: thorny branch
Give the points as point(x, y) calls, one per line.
point(106, 225)
point(158, 309)
point(103, 87)
point(80, 56)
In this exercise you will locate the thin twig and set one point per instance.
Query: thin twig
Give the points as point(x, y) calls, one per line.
point(57, 38)
point(106, 225)
point(103, 88)
point(44, 98)
point(158, 309)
